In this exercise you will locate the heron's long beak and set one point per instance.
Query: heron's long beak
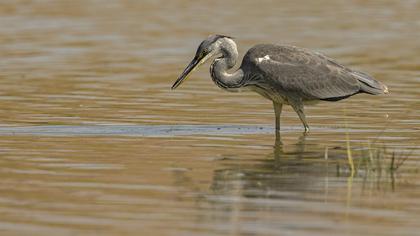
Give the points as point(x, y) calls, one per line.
point(190, 68)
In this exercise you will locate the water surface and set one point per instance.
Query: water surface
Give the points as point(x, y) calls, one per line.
point(93, 141)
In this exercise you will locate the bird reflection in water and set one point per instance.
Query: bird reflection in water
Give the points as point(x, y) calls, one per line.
point(299, 167)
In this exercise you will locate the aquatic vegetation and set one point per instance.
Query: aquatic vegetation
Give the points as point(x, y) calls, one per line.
point(373, 162)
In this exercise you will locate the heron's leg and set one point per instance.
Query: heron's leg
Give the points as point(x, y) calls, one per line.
point(277, 111)
point(298, 107)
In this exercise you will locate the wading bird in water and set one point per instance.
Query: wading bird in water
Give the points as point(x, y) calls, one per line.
point(283, 74)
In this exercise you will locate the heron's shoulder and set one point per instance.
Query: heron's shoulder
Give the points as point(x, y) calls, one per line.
point(280, 53)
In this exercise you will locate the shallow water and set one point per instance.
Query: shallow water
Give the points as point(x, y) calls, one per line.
point(93, 141)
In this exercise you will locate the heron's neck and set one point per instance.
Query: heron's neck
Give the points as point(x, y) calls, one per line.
point(220, 67)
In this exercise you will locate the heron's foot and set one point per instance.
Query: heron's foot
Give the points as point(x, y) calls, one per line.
point(277, 129)
point(306, 129)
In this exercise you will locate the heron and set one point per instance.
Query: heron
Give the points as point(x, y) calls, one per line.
point(284, 74)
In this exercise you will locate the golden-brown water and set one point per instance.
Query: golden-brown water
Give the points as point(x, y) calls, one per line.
point(93, 142)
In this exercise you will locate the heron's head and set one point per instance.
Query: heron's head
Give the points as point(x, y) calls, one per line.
point(207, 49)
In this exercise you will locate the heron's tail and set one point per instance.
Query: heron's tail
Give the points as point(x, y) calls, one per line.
point(369, 85)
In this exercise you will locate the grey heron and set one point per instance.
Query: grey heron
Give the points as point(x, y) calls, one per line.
point(283, 74)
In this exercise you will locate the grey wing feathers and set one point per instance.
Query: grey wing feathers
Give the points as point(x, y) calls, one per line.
point(308, 74)
point(369, 84)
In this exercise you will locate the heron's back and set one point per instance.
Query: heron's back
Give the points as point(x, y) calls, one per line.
point(303, 74)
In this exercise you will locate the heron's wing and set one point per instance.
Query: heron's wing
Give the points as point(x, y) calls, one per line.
point(307, 74)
